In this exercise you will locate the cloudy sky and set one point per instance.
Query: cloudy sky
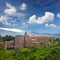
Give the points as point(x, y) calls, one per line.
point(34, 16)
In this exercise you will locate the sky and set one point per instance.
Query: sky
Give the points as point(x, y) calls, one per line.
point(33, 16)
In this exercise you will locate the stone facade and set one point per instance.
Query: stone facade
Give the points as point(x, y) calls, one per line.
point(22, 41)
point(28, 41)
point(19, 42)
point(9, 44)
point(2, 44)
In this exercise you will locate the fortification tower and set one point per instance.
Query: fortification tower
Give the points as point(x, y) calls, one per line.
point(19, 42)
point(25, 38)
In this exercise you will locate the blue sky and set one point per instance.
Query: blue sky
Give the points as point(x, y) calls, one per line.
point(39, 16)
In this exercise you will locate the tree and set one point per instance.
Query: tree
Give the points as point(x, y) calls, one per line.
point(1, 38)
point(8, 38)
point(58, 40)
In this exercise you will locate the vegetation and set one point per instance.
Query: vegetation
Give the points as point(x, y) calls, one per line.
point(58, 41)
point(31, 53)
point(6, 38)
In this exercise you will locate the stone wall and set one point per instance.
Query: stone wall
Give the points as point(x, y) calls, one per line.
point(22, 41)
point(9, 44)
point(19, 42)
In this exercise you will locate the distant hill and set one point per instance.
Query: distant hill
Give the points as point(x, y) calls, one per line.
point(3, 32)
point(46, 34)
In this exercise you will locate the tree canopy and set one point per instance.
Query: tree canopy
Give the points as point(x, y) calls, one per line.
point(6, 38)
point(32, 53)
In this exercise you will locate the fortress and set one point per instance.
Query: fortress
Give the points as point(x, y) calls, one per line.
point(23, 41)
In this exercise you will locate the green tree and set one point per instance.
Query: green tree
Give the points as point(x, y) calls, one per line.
point(8, 38)
point(1, 38)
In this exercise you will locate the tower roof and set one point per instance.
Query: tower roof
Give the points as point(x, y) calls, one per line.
point(25, 33)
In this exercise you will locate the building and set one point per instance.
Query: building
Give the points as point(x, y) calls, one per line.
point(23, 41)
point(28, 41)
point(19, 42)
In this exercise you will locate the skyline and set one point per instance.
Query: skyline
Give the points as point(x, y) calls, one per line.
point(33, 16)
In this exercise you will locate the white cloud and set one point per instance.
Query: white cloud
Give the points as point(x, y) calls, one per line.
point(46, 25)
point(33, 19)
point(10, 13)
point(10, 9)
point(19, 15)
point(12, 30)
point(51, 25)
point(23, 6)
point(4, 20)
point(24, 23)
point(58, 15)
point(48, 17)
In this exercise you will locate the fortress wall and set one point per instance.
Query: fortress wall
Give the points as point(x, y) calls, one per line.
point(2, 44)
point(9, 44)
point(19, 42)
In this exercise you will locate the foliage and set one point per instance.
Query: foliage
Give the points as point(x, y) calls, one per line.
point(57, 39)
point(1, 38)
point(6, 38)
point(31, 53)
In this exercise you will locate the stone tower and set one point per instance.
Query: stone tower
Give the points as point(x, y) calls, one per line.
point(19, 42)
point(25, 38)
